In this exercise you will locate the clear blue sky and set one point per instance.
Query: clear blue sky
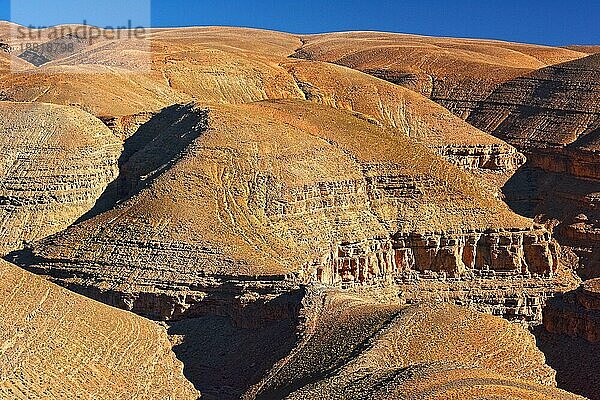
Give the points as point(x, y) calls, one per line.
point(555, 22)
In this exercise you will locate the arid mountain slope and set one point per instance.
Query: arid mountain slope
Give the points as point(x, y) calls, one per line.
point(234, 65)
point(56, 162)
point(352, 348)
point(405, 111)
point(294, 213)
point(221, 65)
point(553, 116)
point(456, 73)
point(57, 344)
point(258, 198)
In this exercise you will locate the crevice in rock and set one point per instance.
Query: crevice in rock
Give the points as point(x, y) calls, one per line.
point(236, 355)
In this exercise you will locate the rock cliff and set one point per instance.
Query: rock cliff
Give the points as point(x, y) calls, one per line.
point(553, 116)
point(576, 313)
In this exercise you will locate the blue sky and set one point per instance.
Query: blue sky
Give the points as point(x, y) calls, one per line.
point(550, 22)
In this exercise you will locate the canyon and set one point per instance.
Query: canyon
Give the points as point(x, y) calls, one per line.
point(263, 215)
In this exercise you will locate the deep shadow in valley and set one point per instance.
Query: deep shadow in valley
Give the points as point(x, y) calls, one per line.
point(224, 360)
point(576, 362)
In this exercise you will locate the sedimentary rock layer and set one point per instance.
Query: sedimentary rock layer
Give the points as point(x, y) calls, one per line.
point(553, 116)
point(576, 313)
point(56, 162)
point(457, 73)
point(60, 345)
point(406, 112)
point(207, 221)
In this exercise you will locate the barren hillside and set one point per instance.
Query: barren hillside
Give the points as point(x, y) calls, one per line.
point(55, 344)
point(336, 216)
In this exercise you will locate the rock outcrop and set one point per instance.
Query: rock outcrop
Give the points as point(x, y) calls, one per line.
point(576, 313)
point(60, 345)
point(553, 116)
point(56, 162)
point(209, 223)
point(351, 348)
point(406, 112)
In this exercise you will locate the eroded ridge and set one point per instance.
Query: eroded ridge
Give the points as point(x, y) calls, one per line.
point(457, 73)
point(406, 112)
point(350, 346)
point(56, 162)
point(553, 116)
point(275, 194)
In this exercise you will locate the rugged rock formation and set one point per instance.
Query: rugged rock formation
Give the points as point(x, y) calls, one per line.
point(576, 313)
point(209, 223)
point(352, 348)
point(553, 116)
point(225, 65)
point(56, 162)
point(57, 344)
point(254, 189)
point(407, 112)
point(457, 73)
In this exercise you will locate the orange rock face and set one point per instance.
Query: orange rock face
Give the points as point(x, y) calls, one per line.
point(577, 313)
point(309, 215)
point(312, 194)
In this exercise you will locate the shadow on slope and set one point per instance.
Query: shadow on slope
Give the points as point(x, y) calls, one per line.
point(559, 199)
point(575, 361)
point(521, 191)
point(224, 356)
point(153, 149)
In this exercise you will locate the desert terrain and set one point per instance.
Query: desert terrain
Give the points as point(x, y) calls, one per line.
point(263, 215)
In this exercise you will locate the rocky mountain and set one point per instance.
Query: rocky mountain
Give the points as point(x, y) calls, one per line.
point(352, 348)
point(308, 216)
point(542, 100)
point(553, 116)
point(457, 73)
point(236, 66)
point(56, 162)
point(311, 194)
